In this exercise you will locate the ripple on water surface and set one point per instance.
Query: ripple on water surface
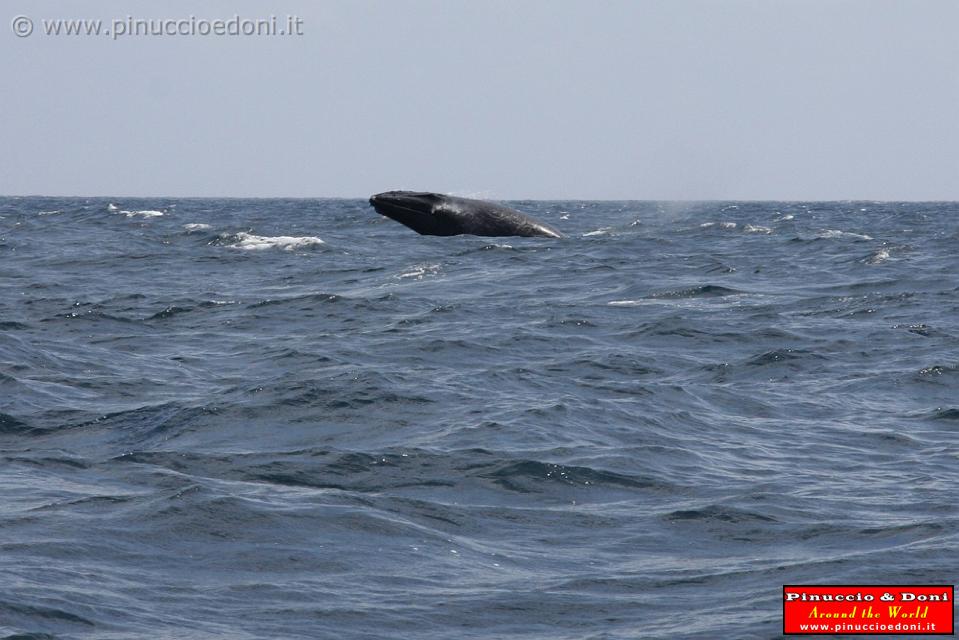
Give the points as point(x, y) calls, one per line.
point(294, 418)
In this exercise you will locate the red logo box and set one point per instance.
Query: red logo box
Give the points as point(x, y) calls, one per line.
point(859, 609)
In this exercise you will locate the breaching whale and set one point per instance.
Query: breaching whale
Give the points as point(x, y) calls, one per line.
point(433, 214)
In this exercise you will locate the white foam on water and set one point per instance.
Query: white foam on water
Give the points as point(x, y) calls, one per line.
point(251, 242)
point(878, 257)
point(145, 213)
point(420, 270)
point(196, 226)
point(112, 207)
point(599, 232)
point(474, 195)
point(721, 225)
point(836, 233)
point(749, 228)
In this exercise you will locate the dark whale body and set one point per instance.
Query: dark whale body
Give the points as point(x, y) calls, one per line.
point(433, 214)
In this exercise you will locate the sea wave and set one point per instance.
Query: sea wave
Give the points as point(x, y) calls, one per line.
point(252, 242)
point(259, 435)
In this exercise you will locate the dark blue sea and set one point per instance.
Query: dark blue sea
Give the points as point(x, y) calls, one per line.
point(255, 419)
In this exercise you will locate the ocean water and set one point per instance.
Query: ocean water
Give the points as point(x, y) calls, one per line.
point(254, 419)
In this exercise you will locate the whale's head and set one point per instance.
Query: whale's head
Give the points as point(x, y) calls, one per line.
point(427, 213)
point(435, 214)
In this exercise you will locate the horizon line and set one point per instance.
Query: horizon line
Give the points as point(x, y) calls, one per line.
point(552, 199)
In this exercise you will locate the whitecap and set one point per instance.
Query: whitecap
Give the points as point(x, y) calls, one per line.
point(196, 226)
point(721, 225)
point(749, 228)
point(251, 242)
point(420, 270)
point(836, 233)
point(474, 195)
point(145, 213)
point(599, 232)
point(112, 207)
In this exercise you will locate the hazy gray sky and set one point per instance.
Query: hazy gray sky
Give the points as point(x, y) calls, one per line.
point(668, 99)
